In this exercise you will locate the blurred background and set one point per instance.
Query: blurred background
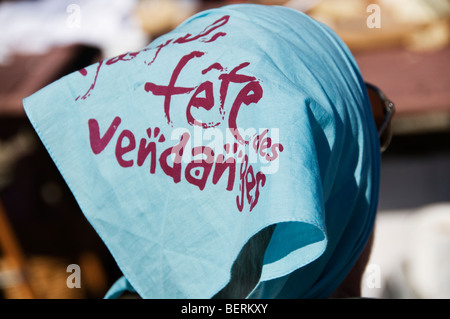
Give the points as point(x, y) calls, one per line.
point(402, 46)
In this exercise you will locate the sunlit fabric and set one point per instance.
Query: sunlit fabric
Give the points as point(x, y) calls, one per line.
point(244, 120)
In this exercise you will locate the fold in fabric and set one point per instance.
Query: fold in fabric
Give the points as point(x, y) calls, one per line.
point(248, 126)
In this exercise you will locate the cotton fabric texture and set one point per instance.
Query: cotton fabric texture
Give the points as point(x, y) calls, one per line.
point(241, 118)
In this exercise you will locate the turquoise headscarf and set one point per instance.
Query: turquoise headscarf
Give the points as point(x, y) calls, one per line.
point(244, 119)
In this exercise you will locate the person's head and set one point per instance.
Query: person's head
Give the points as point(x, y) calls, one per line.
point(291, 146)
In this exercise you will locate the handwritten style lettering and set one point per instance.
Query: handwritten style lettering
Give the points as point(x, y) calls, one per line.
point(205, 163)
point(150, 148)
point(202, 36)
point(211, 99)
point(98, 143)
point(171, 89)
point(214, 26)
point(249, 181)
point(252, 92)
point(261, 144)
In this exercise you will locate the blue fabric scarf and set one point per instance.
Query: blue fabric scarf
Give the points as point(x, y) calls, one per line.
point(244, 119)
